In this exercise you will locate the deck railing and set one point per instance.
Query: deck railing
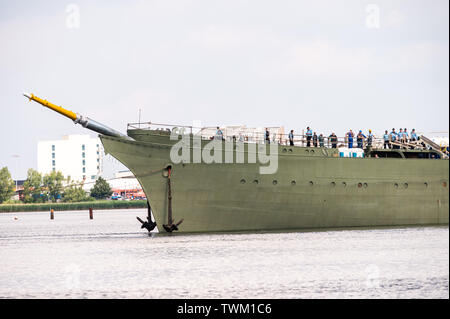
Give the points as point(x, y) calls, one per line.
point(277, 135)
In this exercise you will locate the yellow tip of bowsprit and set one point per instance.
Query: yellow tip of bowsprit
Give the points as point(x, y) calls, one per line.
point(51, 106)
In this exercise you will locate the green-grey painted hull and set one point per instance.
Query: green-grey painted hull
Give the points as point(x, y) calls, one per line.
point(309, 190)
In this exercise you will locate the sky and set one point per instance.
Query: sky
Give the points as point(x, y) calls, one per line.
point(331, 65)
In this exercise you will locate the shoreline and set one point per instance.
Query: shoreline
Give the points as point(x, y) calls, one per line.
point(104, 204)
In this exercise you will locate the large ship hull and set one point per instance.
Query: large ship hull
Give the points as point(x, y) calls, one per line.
point(309, 190)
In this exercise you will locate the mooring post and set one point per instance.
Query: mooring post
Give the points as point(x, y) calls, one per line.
point(51, 214)
point(91, 214)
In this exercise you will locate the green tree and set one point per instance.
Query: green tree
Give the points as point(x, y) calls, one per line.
point(75, 193)
point(32, 187)
point(6, 185)
point(101, 189)
point(53, 185)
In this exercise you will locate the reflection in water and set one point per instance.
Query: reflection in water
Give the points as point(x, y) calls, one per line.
point(110, 256)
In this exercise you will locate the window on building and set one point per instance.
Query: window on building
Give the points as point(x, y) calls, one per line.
point(84, 155)
point(84, 176)
point(98, 160)
point(98, 167)
point(84, 169)
point(53, 148)
point(53, 155)
point(98, 153)
point(53, 169)
point(53, 162)
point(84, 162)
point(93, 177)
point(83, 147)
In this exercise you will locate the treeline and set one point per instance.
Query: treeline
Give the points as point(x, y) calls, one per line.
point(101, 204)
point(6, 185)
point(52, 187)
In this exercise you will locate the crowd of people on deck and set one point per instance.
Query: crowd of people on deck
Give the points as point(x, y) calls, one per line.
point(401, 137)
point(394, 139)
point(391, 140)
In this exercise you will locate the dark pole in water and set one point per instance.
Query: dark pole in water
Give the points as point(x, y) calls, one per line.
point(51, 214)
point(91, 214)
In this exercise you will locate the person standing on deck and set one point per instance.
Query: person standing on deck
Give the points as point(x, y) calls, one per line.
point(309, 134)
point(406, 135)
point(350, 136)
point(315, 139)
point(291, 138)
point(394, 137)
point(267, 136)
point(333, 139)
point(401, 138)
point(414, 135)
point(219, 134)
point(321, 140)
point(386, 139)
point(360, 139)
point(369, 139)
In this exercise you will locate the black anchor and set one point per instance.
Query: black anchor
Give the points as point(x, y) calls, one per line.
point(149, 224)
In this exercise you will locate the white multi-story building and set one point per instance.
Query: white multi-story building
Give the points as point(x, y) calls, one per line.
point(77, 156)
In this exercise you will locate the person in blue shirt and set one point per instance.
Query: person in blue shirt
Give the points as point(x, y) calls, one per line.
point(219, 134)
point(309, 134)
point(291, 138)
point(394, 137)
point(350, 136)
point(414, 135)
point(405, 135)
point(386, 139)
point(360, 139)
point(400, 136)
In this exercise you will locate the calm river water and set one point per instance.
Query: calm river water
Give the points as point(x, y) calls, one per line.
point(111, 257)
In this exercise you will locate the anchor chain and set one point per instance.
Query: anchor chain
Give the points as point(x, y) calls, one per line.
point(170, 226)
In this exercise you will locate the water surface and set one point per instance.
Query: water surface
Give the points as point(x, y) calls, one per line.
point(111, 257)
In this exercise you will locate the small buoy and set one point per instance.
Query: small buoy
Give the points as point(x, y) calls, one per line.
point(16, 218)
